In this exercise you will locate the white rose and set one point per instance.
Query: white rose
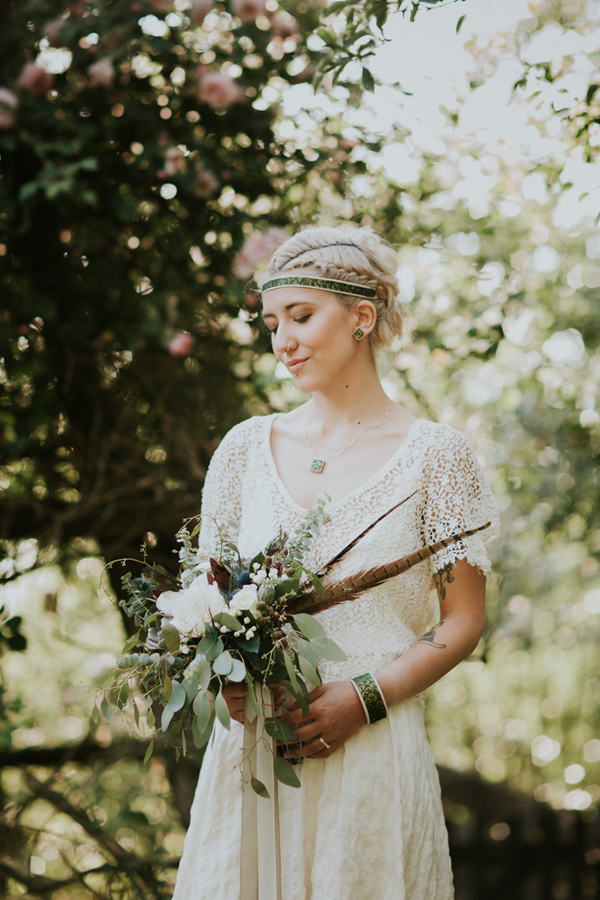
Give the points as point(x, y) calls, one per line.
point(190, 609)
point(245, 600)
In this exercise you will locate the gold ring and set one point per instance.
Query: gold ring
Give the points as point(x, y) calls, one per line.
point(325, 744)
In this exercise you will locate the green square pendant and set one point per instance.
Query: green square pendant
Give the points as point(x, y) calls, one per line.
point(317, 466)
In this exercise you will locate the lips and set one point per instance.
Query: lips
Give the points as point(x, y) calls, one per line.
point(294, 365)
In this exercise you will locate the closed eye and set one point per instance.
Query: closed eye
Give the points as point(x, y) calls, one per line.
point(300, 320)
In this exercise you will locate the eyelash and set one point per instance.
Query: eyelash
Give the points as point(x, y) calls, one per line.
point(300, 320)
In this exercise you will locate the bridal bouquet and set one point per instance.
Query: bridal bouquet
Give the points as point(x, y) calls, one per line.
point(224, 619)
point(230, 619)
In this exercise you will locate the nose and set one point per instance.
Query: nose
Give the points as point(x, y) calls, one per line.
point(283, 342)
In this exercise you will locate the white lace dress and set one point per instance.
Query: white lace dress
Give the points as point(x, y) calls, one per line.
point(367, 823)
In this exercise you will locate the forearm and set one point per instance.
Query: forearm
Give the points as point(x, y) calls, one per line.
point(439, 651)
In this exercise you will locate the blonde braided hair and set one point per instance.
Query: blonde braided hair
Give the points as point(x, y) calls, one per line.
point(351, 254)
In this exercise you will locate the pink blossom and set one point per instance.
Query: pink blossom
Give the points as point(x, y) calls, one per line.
point(101, 73)
point(35, 79)
point(181, 344)
point(258, 247)
point(248, 10)
point(284, 25)
point(218, 90)
point(8, 103)
point(199, 10)
point(205, 184)
point(52, 30)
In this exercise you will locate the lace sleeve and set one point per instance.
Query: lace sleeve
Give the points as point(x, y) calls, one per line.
point(221, 495)
point(457, 498)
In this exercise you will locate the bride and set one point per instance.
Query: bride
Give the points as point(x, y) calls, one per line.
point(367, 822)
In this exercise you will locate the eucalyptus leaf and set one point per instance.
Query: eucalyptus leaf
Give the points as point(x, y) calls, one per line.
point(252, 695)
point(227, 620)
point(190, 688)
point(167, 688)
point(201, 736)
point(309, 672)
point(309, 626)
point(222, 710)
point(238, 671)
point(327, 649)
point(202, 711)
point(305, 650)
point(204, 673)
point(223, 664)
point(170, 636)
point(290, 670)
point(207, 643)
point(148, 753)
point(299, 698)
point(280, 731)
point(215, 650)
point(136, 713)
point(175, 703)
point(259, 788)
point(106, 710)
point(284, 771)
point(150, 718)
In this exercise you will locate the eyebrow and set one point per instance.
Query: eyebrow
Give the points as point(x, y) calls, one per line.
point(289, 306)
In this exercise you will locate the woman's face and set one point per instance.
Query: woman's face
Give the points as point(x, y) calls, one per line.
point(312, 334)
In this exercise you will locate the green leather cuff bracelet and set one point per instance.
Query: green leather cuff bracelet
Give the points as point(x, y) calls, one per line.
point(371, 697)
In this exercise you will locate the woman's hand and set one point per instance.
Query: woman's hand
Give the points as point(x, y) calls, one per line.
point(235, 693)
point(334, 713)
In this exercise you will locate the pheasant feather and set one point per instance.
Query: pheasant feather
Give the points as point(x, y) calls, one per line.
point(350, 588)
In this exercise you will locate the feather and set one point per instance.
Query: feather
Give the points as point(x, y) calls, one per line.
point(355, 540)
point(349, 588)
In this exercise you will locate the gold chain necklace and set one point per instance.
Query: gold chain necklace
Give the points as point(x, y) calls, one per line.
point(318, 465)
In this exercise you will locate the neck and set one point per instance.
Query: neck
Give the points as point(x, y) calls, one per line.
point(355, 398)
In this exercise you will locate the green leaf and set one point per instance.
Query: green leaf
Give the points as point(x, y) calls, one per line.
point(280, 731)
point(149, 752)
point(305, 650)
point(215, 650)
point(259, 788)
point(223, 664)
point(190, 688)
point(309, 672)
point(130, 644)
point(122, 695)
point(309, 626)
point(317, 585)
point(175, 703)
point(238, 671)
point(290, 670)
point(460, 23)
point(222, 710)
point(183, 743)
point(150, 718)
point(205, 674)
point(106, 710)
point(284, 771)
point(287, 586)
point(167, 688)
point(201, 737)
point(207, 643)
point(368, 81)
point(327, 649)
point(136, 713)
point(170, 635)
point(252, 695)
point(300, 698)
point(202, 711)
point(228, 621)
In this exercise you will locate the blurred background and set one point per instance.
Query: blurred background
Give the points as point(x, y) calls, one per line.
point(152, 154)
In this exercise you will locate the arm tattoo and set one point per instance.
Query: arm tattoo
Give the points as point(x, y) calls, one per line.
point(446, 573)
point(429, 638)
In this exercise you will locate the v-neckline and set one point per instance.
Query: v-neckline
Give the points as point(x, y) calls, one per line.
point(380, 473)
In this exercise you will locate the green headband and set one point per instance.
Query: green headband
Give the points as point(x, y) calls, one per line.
point(323, 284)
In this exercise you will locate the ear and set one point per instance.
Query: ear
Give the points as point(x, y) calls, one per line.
point(364, 316)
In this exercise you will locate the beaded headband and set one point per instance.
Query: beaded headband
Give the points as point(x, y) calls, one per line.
point(323, 284)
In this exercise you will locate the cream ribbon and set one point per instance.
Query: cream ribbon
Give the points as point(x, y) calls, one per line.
point(260, 860)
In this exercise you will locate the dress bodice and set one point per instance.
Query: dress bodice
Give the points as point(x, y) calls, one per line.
point(435, 463)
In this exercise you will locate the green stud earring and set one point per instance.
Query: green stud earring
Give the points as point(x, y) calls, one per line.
point(358, 334)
